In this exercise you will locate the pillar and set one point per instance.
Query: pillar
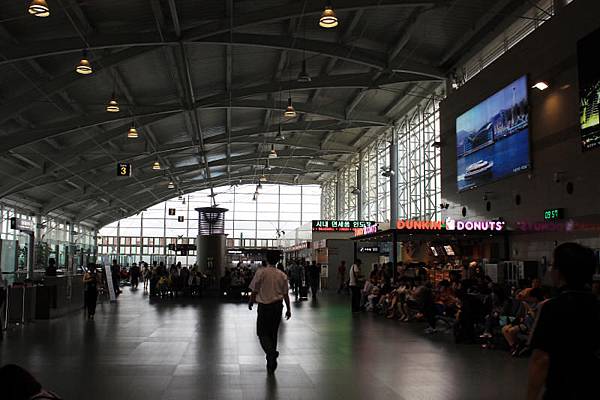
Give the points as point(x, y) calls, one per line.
point(394, 178)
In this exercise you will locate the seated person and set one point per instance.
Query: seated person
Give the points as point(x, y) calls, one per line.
point(524, 294)
point(516, 331)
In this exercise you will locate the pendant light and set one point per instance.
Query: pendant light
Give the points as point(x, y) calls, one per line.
point(279, 137)
point(328, 18)
point(303, 76)
point(39, 8)
point(156, 165)
point(113, 105)
point(84, 67)
point(132, 133)
point(263, 178)
point(171, 185)
point(272, 153)
point(289, 112)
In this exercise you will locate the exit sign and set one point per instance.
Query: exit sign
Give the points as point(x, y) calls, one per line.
point(553, 214)
point(123, 169)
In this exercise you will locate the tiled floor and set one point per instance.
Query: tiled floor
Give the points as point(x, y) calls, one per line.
point(208, 350)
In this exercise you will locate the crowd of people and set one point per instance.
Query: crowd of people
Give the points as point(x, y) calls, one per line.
point(473, 309)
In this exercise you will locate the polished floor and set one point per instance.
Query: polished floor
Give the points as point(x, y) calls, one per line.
point(208, 350)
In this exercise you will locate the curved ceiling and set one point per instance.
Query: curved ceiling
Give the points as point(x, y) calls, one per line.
point(205, 84)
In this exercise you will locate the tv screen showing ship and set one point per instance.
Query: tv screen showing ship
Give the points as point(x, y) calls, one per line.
point(492, 138)
point(589, 90)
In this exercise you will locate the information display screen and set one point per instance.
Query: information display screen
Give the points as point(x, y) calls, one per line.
point(492, 138)
point(322, 225)
point(589, 90)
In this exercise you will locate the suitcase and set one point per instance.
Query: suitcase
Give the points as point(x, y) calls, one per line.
point(304, 292)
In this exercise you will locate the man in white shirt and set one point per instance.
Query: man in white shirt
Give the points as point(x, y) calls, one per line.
point(355, 277)
point(270, 289)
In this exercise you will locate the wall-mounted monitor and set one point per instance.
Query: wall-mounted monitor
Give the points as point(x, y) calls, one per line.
point(492, 138)
point(589, 90)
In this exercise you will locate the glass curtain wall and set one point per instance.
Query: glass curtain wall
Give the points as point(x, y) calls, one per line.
point(248, 223)
point(418, 171)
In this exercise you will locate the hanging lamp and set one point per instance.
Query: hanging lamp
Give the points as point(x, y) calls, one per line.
point(303, 76)
point(39, 8)
point(171, 185)
point(279, 136)
point(84, 67)
point(290, 112)
point(328, 18)
point(132, 133)
point(273, 153)
point(263, 178)
point(156, 165)
point(113, 105)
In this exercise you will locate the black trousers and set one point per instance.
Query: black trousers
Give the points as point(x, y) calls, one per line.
point(267, 328)
point(90, 297)
point(355, 298)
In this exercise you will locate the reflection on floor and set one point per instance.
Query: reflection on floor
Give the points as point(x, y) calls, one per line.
point(208, 350)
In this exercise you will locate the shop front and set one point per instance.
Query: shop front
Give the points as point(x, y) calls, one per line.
point(434, 250)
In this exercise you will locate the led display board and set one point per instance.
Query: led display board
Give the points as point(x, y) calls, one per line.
point(554, 214)
point(492, 138)
point(321, 225)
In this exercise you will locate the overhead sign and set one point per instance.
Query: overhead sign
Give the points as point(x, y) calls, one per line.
point(172, 211)
point(180, 218)
point(554, 214)
point(23, 225)
point(372, 249)
point(123, 169)
point(451, 225)
point(322, 225)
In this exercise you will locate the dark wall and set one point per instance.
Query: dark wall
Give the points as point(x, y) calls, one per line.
point(549, 54)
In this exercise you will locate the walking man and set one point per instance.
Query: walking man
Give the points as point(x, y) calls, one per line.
point(270, 289)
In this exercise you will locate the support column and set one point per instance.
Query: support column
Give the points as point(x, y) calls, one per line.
point(359, 186)
point(338, 197)
point(394, 178)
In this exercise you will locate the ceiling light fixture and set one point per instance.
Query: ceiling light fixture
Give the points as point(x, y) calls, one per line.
point(263, 178)
point(355, 191)
point(273, 153)
point(156, 165)
point(328, 18)
point(279, 136)
point(39, 8)
point(541, 85)
point(303, 76)
point(171, 185)
point(113, 105)
point(132, 133)
point(84, 67)
point(290, 112)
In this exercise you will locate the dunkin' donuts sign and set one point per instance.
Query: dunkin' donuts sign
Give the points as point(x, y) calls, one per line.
point(451, 225)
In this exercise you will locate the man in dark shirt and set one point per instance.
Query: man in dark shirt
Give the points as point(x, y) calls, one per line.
point(566, 335)
point(314, 275)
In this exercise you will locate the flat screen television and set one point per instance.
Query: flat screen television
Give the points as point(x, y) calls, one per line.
point(492, 138)
point(589, 90)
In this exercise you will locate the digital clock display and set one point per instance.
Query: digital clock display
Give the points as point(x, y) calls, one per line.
point(553, 214)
